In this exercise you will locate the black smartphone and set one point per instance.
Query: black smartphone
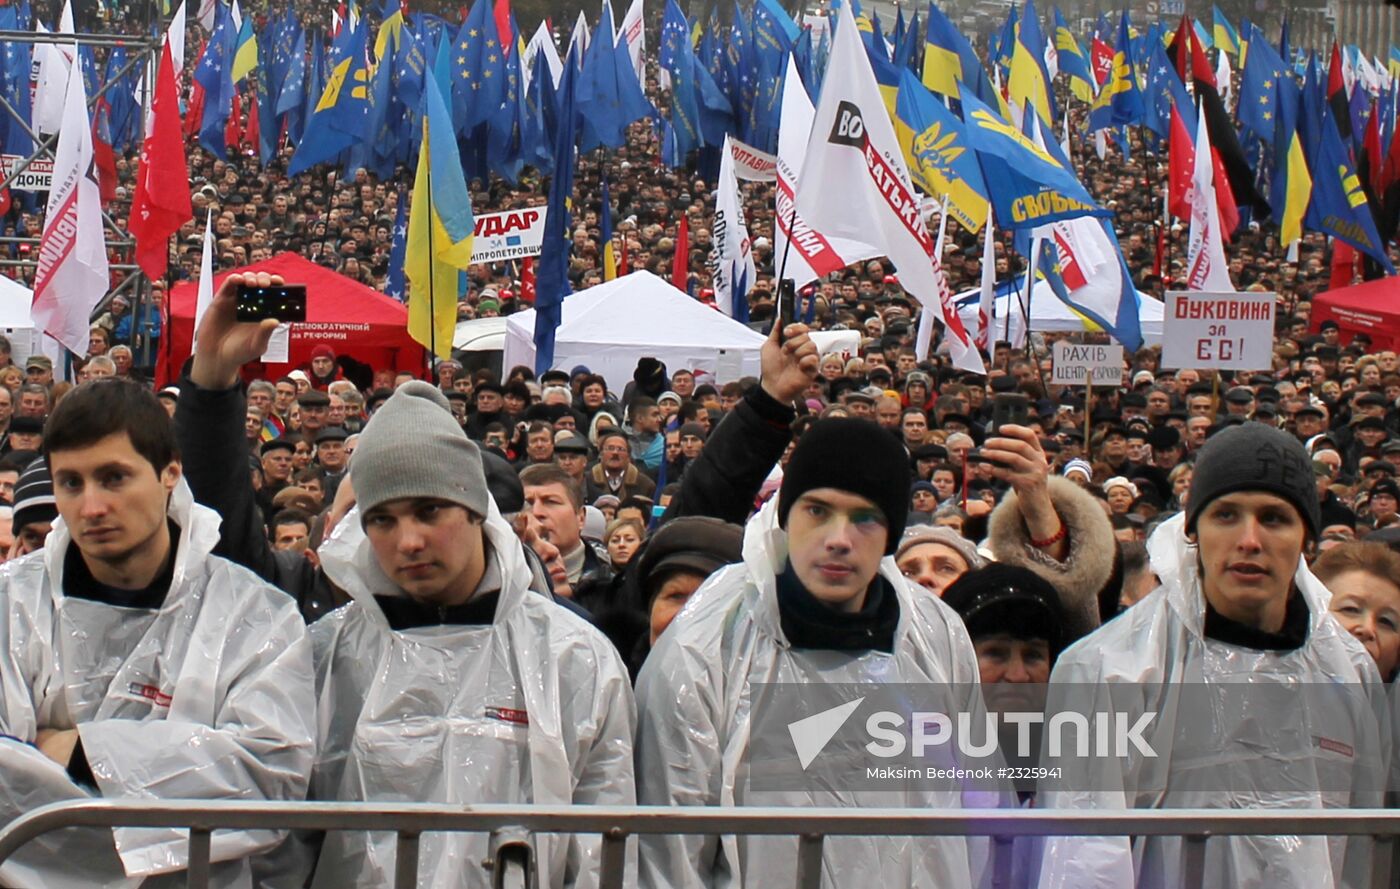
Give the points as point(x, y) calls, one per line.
point(1009, 409)
point(787, 305)
point(285, 303)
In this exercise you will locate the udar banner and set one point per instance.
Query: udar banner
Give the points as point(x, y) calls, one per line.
point(512, 234)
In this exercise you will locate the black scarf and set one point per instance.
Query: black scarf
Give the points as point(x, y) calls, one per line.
point(808, 623)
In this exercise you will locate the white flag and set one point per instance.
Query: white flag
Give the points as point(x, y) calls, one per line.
point(72, 275)
point(578, 41)
point(1206, 267)
point(731, 261)
point(987, 302)
point(542, 42)
point(205, 297)
point(175, 34)
point(207, 11)
point(854, 185)
point(631, 31)
point(50, 82)
point(812, 254)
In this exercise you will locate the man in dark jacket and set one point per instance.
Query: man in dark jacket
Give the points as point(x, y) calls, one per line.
point(740, 452)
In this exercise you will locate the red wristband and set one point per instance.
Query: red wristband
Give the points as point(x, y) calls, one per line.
point(1053, 539)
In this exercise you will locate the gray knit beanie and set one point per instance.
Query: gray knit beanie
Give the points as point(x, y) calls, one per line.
point(1254, 457)
point(412, 447)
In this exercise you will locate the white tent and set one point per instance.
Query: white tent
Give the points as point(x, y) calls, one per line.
point(610, 326)
point(1050, 315)
point(480, 335)
point(17, 324)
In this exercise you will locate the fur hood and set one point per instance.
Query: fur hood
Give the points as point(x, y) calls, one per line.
point(1084, 571)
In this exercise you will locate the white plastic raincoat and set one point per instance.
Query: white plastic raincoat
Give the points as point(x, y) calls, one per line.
point(694, 718)
point(210, 697)
point(1324, 748)
point(535, 707)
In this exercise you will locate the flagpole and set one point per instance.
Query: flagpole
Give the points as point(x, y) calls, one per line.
point(432, 275)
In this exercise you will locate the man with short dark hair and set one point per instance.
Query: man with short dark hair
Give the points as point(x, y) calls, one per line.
point(1250, 694)
point(818, 599)
point(554, 503)
point(171, 673)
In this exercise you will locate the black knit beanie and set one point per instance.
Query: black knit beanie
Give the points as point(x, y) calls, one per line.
point(1254, 457)
point(851, 455)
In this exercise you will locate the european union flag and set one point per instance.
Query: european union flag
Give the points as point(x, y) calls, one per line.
point(478, 69)
point(215, 74)
point(1259, 89)
point(552, 273)
point(397, 285)
point(1028, 187)
point(609, 97)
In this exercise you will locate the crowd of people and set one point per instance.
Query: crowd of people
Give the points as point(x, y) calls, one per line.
point(564, 589)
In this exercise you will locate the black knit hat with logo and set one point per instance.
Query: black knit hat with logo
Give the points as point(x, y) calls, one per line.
point(1254, 457)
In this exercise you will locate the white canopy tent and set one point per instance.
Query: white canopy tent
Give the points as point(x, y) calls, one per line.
point(17, 324)
point(610, 326)
point(1050, 315)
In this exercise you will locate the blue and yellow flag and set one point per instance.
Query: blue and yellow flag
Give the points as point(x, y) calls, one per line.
point(950, 60)
point(1029, 81)
point(245, 53)
point(1392, 63)
point(605, 227)
point(1120, 101)
point(935, 147)
point(440, 229)
point(1339, 201)
point(387, 42)
point(1226, 38)
point(1073, 62)
point(1027, 186)
point(340, 118)
point(1291, 187)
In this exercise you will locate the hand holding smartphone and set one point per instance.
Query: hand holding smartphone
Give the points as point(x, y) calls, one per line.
point(285, 303)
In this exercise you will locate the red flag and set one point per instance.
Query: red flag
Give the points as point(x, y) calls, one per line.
point(502, 13)
point(623, 267)
point(1372, 145)
point(527, 280)
point(1201, 71)
point(4, 200)
point(1182, 157)
point(1181, 48)
point(1224, 197)
point(161, 201)
point(680, 263)
point(102, 155)
point(253, 131)
point(1102, 56)
point(233, 130)
point(1337, 95)
point(195, 112)
point(1343, 264)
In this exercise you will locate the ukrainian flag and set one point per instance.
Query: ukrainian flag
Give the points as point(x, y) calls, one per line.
point(245, 53)
point(935, 147)
point(1227, 39)
point(1292, 183)
point(388, 40)
point(606, 232)
point(440, 229)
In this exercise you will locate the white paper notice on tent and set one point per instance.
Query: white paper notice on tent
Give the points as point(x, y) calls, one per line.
point(729, 366)
point(279, 346)
point(1078, 364)
point(1231, 331)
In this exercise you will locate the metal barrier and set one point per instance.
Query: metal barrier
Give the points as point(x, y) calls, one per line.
point(511, 828)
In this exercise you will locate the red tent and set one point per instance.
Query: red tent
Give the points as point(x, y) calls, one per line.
point(1372, 308)
point(351, 318)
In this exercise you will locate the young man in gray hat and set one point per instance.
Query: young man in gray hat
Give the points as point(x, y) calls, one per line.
point(448, 678)
point(1253, 696)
